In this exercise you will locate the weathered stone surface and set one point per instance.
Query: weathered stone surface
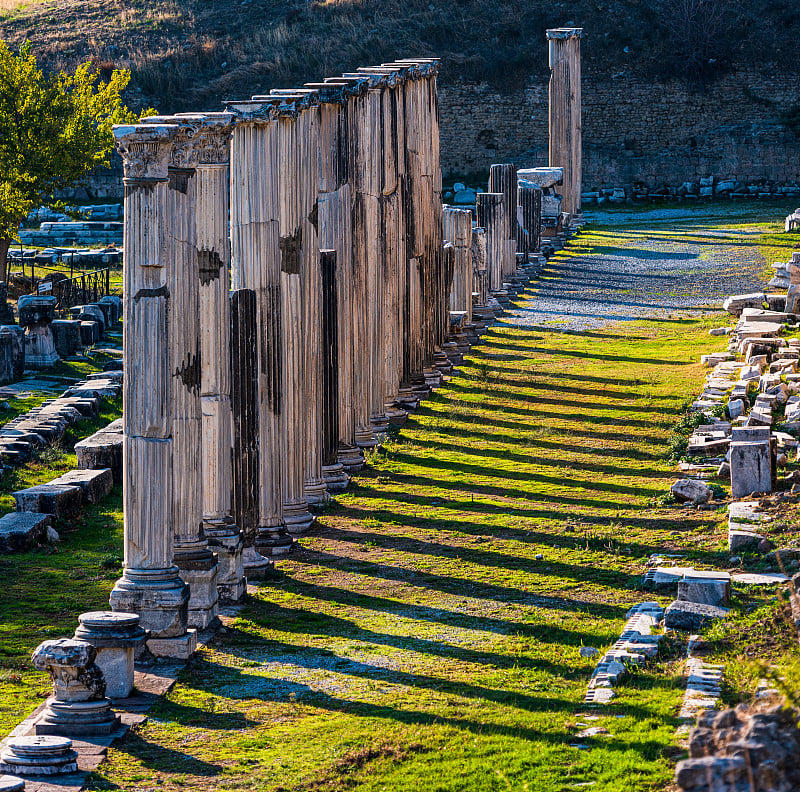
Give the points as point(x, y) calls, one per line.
point(709, 588)
point(66, 337)
point(739, 539)
point(37, 755)
point(692, 615)
point(21, 531)
point(95, 484)
point(737, 303)
point(685, 490)
point(60, 500)
point(102, 450)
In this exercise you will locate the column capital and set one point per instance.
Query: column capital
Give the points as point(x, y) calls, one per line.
point(253, 111)
point(145, 149)
point(212, 136)
point(564, 33)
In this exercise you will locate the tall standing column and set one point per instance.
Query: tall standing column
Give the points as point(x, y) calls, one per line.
point(212, 188)
point(335, 233)
point(295, 246)
point(458, 231)
point(503, 179)
point(196, 562)
point(150, 585)
point(335, 477)
point(565, 114)
point(256, 265)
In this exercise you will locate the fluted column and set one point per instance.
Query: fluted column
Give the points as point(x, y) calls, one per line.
point(503, 179)
point(491, 217)
point(256, 265)
point(565, 113)
point(458, 231)
point(334, 234)
point(212, 196)
point(151, 585)
point(530, 203)
point(335, 476)
point(297, 240)
point(195, 560)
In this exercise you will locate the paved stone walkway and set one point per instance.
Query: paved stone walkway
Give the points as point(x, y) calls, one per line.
point(646, 272)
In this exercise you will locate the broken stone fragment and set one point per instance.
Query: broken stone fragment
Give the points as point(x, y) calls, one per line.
point(692, 616)
point(20, 531)
point(691, 490)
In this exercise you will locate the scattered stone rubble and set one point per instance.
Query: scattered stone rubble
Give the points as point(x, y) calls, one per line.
point(747, 749)
point(636, 644)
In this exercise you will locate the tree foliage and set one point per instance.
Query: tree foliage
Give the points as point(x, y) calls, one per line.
point(54, 129)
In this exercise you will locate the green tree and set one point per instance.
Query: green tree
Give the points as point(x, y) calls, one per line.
point(54, 129)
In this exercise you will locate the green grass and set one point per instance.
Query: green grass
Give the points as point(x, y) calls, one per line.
point(414, 640)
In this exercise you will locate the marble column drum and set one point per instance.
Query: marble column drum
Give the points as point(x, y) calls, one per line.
point(150, 585)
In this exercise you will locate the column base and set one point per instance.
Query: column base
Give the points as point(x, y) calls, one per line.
point(350, 457)
point(396, 414)
point(407, 400)
point(273, 540)
point(225, 539)
point(159, 596)
point(336, 479)
point(198, 568)
point(256, 565)
point(203, 596)
point(433, 377)
point(180, 648)
point(365, 438)
point(93, 718)
point(315, 491)
point(297, 518)
point(380, 423)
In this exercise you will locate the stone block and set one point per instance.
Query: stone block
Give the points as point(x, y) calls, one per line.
point(21, 531)
point(708, 588)
point(66, 337)
point(751, 467)
point(102, 450)
point(180, 648)
point(737, 303)
point(741, 539)
point(692, 616)
point(96, 484)
point(690, 490)
point(90, 332)
point(60, 500)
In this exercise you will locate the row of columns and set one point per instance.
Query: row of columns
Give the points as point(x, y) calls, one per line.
point(287, 296)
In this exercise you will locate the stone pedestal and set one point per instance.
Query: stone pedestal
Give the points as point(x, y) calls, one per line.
point(117, 639)
point(6, 312)
point(66, 337)
point(38, 755)
point(78, 707)
point(150, 585)
point(36, 314)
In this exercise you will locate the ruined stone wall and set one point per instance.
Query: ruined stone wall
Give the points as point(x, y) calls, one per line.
point(632, 131)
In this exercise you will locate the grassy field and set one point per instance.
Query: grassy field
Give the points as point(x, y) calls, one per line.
point(426, 635)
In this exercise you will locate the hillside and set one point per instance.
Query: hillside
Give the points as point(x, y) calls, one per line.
point(679, 55)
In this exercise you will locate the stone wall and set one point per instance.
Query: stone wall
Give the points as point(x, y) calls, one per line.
point(633, 131)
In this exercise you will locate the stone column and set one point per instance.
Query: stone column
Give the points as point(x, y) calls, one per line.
point(212, 188)
point(295, 245)
point(335, 477)
point(363, 128)
point(530, 204)
point(256, 265)
point(245, 419)
point(458, 232)
point(335, 233)
point(565, 114)
point(491, 217)
point(482, 314)
point(196, 562)
point(503, 179)
point(150, 584)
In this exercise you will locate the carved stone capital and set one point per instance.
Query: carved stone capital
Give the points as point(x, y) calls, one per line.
point(145, 149)
point(253, 111)
point(564, 33)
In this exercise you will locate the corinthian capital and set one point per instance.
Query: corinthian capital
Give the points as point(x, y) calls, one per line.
point(145, 149)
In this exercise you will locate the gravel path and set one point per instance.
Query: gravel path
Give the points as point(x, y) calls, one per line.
point(636, 273)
